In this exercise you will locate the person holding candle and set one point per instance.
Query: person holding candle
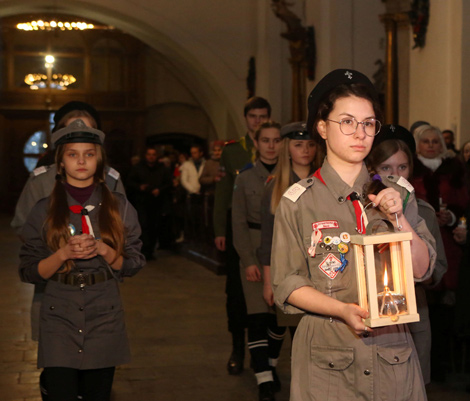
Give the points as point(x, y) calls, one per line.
point(334, 355)
point(79, 242)
point(392, 154)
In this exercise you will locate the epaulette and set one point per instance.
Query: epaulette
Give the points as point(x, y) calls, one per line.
point(113, 173)
point(269, 179)
point(294, 192)
point(401, 181)
point(39, 170)
point(231, 142)
point(245, 168)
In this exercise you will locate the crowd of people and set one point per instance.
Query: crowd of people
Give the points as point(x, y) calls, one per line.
point(281, 203)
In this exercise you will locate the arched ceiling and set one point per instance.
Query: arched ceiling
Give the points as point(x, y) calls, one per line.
point(206, 76)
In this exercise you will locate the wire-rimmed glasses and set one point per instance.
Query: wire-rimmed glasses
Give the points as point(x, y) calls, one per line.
point(348, 126)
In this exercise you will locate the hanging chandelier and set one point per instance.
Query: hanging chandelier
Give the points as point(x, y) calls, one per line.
point(52, 80)
point(41, 25)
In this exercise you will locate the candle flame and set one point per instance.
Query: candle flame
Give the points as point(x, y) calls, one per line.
point(385, 278)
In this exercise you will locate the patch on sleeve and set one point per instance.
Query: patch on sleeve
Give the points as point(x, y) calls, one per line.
point(293, 192)
point(403, 182)
point(113, 173)
point(39, 170)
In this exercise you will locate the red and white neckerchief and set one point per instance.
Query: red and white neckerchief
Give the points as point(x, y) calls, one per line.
point(87, 228)
point(361, 217)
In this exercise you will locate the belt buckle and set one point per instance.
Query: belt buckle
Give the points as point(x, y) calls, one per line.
point(81, 280)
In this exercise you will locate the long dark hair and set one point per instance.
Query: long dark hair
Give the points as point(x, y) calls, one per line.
point(57, 220)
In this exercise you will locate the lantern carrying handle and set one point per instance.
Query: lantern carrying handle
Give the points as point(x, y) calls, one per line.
point(372, 226)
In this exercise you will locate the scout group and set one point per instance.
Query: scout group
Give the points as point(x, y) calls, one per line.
point(286, 201)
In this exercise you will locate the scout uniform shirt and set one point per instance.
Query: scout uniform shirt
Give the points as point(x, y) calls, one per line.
point(331, 362)
point(235, 156)
point(81, 328)
point(246, 225)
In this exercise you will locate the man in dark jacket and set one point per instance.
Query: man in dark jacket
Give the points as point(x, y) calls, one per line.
point(150, 183)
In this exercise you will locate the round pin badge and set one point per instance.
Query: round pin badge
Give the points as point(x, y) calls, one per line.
point(322, 245)
point(343, 248)
point(328, 248)
point(72, 230)
point(345, 237)
point(328, 240)
point(335, 240)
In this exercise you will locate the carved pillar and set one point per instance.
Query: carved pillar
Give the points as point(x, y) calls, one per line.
point(299, 76)
point(391, 22)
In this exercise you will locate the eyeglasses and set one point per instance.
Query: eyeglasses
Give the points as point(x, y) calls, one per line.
point(348, 126)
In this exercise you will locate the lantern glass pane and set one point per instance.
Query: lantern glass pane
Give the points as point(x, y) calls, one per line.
point(390, 280)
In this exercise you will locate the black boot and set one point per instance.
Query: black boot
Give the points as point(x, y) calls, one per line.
point(235, 362)
point(266, 392)
point(42, 387)
point(276, 381)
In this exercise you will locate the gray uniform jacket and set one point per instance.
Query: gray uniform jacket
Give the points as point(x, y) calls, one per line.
point(329, 361)
point(421, 331)
point(246, 225)
point(40, 185)
point(81, 329)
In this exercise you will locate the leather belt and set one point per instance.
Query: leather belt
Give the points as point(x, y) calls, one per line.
point(82, 279)
point(254, 226)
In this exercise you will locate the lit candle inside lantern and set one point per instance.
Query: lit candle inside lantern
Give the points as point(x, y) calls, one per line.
point(390, 303)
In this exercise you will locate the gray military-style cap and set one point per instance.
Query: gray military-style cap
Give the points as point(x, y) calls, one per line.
point(297, 130)
point(75, 132)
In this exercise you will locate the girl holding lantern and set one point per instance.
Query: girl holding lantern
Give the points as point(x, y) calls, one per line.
point(335, 356)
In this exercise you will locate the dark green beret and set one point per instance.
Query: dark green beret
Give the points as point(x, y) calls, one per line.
point(296, 130)
point(392, 131)
point(76, 132)
point(329, 82)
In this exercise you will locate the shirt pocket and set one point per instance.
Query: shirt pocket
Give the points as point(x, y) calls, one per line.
point(395, 371)
point(56, 315)
point(106, 317)
point(332, 373)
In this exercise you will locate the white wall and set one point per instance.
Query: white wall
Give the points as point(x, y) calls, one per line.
point(349, 35)
point(436, 69)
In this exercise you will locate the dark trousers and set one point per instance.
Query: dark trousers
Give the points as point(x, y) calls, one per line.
point(265, 339)
point(236, 307)
point(150, 217)
point(65, 384)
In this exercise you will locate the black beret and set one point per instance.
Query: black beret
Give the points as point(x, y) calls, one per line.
point(76, 105)
point(329, 82)
point(392, 131)
point(297, 130)
point(77, 132)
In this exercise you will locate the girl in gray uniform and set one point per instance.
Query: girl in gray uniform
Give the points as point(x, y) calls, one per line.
point(335, 356)
point(264, 335)
point(392, 154)
point(81, 241)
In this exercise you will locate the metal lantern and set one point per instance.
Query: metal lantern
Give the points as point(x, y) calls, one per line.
point(384, 272)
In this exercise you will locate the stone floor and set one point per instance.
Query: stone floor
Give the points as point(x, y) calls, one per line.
point(177, 327)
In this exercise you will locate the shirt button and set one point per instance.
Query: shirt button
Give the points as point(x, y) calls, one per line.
point(331, 365)
point(52, 307)
point(80, 351)
point(80, 331)
point(309, 180)
point(341, 199)
point(367, 372)
point(81, 309)
point(396, 359)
